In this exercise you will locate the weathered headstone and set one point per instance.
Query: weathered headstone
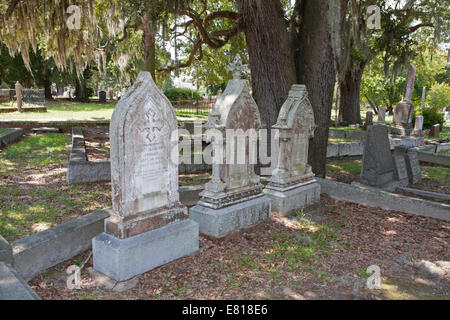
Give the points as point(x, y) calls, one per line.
point(411, 161)
point(102, 96)
point(404, 111)
point(292, 186)
point(369, 119)
point(233, 199)
point(19, 96)
point(148, 226)
point(424, 94)
point(401, 173)
point(418, 127)
point(435, 131)
point(378, 165)
point(413, 167)
point(381, 116)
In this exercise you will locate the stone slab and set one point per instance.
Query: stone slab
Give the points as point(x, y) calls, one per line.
point(6, 251)
point(218, 223)
point(46, 249)
point(122, 259)
point(13, 287)
point(413, 167)
point(401, 173)
point(374, 197)
point(294, 200)
point(435, 195)
point(440, 159)
point(10, 137)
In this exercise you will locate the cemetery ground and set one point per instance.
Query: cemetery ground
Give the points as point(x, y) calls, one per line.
point(65, 110)
point(302, 257)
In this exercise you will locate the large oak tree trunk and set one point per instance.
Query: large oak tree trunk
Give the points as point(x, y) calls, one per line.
point(315, 68)
point(149, 44)
point(350, 88)
point(270, 54)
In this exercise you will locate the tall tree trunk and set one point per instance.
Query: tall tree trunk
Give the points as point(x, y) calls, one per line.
point(47, 84)
point(315, 66)
point(270, 54)
point(149, 44)
point(350, 87)
point(81, 92)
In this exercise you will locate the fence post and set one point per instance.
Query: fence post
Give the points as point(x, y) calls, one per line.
point(19, 96)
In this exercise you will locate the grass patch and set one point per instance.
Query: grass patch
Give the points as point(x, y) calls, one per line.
point(34, 152)
point(2, 131)
point(346, 167)
point(442, 175)
point(28, 205)
point(64, 110)
point(339, 140)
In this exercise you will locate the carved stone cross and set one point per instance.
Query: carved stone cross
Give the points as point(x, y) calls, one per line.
point(236, 67)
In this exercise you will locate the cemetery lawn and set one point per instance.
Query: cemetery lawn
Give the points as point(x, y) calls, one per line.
point(294, 258)
point(66, 111)
point(34, 195)
point(434, 178)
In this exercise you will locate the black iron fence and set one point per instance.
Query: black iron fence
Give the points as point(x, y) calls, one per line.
point(194, 107)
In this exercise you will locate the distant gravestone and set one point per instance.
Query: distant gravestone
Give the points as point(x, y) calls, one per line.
point(404, 111)
point(378, 165)
point(401, 172)
point(418, 127)
point(292, 186)
point(234, 197)
point(369, 119)
point(382, 116)
point(435, 131)
point(102, 96)
point(424, 94)
point(148, 225)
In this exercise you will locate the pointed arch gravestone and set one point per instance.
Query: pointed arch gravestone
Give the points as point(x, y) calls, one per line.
point(292, 186)
point(234, 197)
point(148, 226)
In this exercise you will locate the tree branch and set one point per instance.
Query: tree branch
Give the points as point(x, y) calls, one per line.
point(418, 26)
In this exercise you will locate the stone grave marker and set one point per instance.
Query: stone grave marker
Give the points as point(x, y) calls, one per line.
point(369, 119)
point(378, 165)
point(435, 130)
point(422, 101)
point(404, 111)
point(19, 101)
point(401, 172)
point(411, 162)
point(234, 197)
point(102, 96)
point(413, 167)
point(418, 127)
point(292, 186)
point(382, 116)
point(148, 226)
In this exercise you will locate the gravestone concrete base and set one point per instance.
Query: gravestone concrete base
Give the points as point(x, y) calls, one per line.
point(122, 259)
point(218, 223)
point(292, 200)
